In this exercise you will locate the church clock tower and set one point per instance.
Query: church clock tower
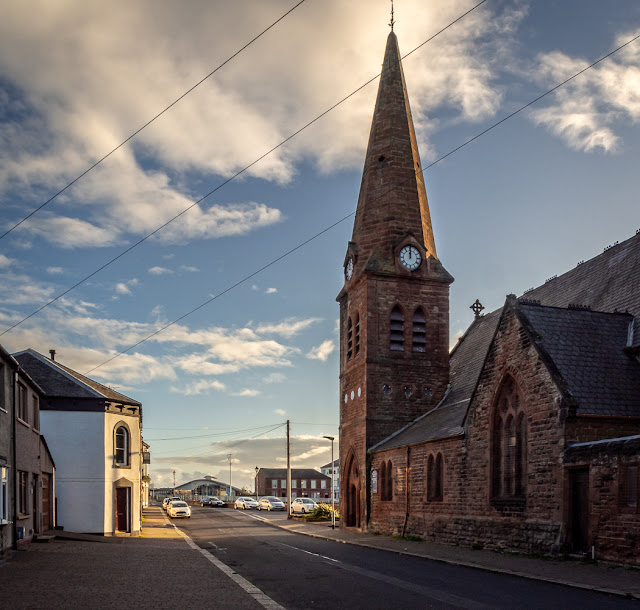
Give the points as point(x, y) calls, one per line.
point(394, 306)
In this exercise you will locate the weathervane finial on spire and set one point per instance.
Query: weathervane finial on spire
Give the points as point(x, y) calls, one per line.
point(392, 20)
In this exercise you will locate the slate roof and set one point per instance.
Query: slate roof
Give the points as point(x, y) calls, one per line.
point(60, 381)
point(296, 473)
point(626, 445)
point(607, 283)
point(587, 347)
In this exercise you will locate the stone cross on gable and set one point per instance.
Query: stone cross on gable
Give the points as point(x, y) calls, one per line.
point(477, 307)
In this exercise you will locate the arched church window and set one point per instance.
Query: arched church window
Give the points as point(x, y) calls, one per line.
point(349, 339)
point(357, 334)
point(389, 480)
point(419, 342)
point(439, 476)
point(435, 474)
point(383, 481)
point(509, 443)
point(396, 330)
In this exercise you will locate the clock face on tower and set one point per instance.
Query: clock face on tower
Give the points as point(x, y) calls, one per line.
point(348, 269)
point(410, 258)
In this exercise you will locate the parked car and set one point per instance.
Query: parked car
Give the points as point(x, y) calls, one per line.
point(166, 501)
point(178, 508)
point(211, 501)
point(245, 503)
point(303, 505)
point(270, 503)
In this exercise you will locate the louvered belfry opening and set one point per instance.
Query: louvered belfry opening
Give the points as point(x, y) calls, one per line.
point(396, 330)
point(349, 339)
point(419, 342)
point(357, 334)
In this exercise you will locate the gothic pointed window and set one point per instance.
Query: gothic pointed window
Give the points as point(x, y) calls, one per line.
point(121, 446)
point(349, 339)
point(357, 342)
point(419, 342)
point(396, 330)
point(389, 481)
point(435, 475)
point(509, 444)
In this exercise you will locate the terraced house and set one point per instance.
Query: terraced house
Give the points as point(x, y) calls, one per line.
point(526, 436)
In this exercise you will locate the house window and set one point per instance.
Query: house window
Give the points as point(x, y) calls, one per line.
point(36, 412)
point(283, 483)
point(435, 474)
point(323, 484)
point(628, 492)
point(294, 483)
point(121, 449)
point(22, 403)
point(396, 330)
point(357, 334)
point(313, 483)
point(23, 505)
point(303, 483)
point(509, 444)
point(349, 339)
point(4, 498)
point(419, 342)
point(274, 483)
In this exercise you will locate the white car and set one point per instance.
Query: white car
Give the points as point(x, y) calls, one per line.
point(303, 505)
point(271, 503)
point(178, 508)
point(165, 502)
point(245, 503)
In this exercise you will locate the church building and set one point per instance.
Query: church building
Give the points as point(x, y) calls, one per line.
point(526, 436)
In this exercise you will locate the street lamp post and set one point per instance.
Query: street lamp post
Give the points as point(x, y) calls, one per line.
point(257, 470)
point(333, 500)
point(174, 482)
point(230, 458)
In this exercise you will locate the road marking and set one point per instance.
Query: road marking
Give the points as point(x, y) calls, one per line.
point(262, 598)
point(308, 552)
point(258, 518)
point(216, 547)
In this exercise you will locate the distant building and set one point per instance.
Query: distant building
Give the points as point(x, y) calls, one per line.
point(94, 434)
point(207, 486)
point(305, 483)
point(326, 470)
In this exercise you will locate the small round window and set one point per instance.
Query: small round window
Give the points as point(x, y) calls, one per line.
point(408, 390)
point(428, 393)
point(345, 399)
point(386, 390)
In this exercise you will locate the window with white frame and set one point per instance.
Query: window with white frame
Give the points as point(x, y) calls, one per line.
point(315, 494)
point(4, 498)
point(121, 446)
point(22, 403)
point(323, 484)
point(313, 483)
point(303, 483)
point(283, 483)
point(274, 483)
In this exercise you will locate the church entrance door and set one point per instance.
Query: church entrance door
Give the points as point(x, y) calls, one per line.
point(353, 494)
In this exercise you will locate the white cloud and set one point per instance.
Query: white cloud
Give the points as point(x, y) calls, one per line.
point(271, 291)
point(246, 392)
point(280, 412)
point(20, 289)
point(585, 112)
point(322, 351)
point(274, 378)
point(254, 287)
point(5, 261)
point(159, 271)
point(199, 387)
point(189, 268)
point(122, 288)
point(55, 270)
point(287, 328)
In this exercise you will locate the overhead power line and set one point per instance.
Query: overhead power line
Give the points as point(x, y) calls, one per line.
point(384, 194)
point(135, 133)
point(221, 185)
point(178, 438)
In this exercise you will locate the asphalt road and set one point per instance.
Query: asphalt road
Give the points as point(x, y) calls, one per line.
point(301, 572)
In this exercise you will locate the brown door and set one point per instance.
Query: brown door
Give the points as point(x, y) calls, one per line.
point(579, 524)
point(122, 509)
point(46, 503)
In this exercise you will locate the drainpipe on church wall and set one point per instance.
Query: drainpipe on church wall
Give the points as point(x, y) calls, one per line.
point(407, 492)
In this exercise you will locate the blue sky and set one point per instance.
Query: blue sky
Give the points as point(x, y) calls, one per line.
point(552, 186)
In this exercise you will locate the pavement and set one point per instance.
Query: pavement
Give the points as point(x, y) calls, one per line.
point(593, 576)
point(158, 570)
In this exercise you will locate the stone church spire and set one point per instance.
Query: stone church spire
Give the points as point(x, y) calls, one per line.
point(393, 200)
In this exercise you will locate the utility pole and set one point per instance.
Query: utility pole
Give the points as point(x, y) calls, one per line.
point(230, 458)
point(174, 482)
point(333, 499)
point(288, 470)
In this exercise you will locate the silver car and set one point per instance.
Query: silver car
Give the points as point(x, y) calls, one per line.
point(245, 503)
point(270, 503)
point(303, 505)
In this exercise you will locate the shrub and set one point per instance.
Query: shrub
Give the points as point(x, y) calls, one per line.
point(323, 511)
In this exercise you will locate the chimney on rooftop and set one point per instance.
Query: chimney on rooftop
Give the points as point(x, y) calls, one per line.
point(52, 352)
